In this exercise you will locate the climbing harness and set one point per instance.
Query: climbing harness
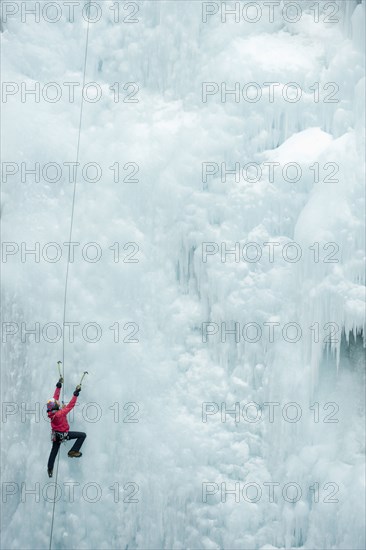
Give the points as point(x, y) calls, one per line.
point(60, 437)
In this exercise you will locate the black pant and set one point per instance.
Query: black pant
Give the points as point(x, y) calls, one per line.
point(80, 438)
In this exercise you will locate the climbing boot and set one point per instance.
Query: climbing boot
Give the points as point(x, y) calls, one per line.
point(75, 454)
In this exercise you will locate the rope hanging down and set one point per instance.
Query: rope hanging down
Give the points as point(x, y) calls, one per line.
point(68, 257)
point(74, 192)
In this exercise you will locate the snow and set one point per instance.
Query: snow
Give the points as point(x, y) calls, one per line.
point(166, 378)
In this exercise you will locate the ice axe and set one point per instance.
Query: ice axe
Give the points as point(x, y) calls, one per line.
point(59, 363)
point(82, 378)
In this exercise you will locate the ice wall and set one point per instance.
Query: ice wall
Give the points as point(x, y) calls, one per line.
point(170, 212)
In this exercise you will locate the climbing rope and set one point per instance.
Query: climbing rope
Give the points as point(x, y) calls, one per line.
point(68, 256)
point(74, 193)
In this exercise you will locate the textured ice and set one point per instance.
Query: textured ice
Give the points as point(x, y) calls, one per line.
point(170, 292)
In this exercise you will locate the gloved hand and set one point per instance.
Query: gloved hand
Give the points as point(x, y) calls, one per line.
point(77, 390)
point(60, 382)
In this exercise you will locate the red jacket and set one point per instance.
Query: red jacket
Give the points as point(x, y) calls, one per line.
point(58, 419)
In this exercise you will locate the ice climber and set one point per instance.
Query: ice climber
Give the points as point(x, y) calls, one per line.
point(60, 426)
